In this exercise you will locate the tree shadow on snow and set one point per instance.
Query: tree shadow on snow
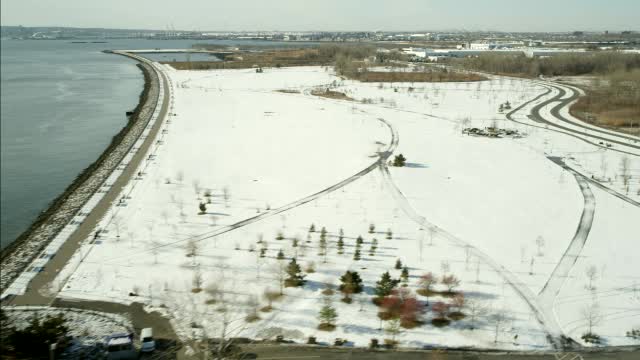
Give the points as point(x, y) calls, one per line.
point(416, 166)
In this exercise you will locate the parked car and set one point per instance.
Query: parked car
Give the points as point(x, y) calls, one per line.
point(146, 337)
point(120, 347)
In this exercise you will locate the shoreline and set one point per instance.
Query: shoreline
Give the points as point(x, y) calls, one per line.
point(17, 255)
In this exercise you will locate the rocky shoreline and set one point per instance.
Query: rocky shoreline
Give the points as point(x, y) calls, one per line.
point(20, 253)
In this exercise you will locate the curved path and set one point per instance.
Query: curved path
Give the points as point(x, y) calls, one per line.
point(383, 156)
point(569, 101)
point(509, 116)
point(555, 111)
point(550, 290)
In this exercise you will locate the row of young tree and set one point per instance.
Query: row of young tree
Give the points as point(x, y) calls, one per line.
point(600, 63)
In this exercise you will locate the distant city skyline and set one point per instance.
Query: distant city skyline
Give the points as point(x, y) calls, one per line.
point(328, 15)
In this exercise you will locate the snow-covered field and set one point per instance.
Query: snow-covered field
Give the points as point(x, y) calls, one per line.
point(497, 213)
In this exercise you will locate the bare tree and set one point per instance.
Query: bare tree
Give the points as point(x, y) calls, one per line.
point(279, 270)
point(592, 274)
point(196, 187)
point(624, 170)
point(197, 280)
point(180, 176)
point(540, 245)
point(117, 223)
point(592, 316)
point(432, 233)
point(475, 309)
point(192, 249)
point(498, 321)
point(226, 195)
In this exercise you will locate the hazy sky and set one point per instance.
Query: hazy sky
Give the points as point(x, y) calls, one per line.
point(507, 15)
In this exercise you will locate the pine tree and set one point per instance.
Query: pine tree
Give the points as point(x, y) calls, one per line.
point(280, 236)
point(280, 255)
point(323, 232)
point(296, 278)
point(294, 242)
point(372, 228)
point(405, 276)
point(312, 228)
point(385, 285)
point(398, 264)
point(359, 240)
point(356, 255)
point(327, 316)
point(203, 208)
point(351, 283)
point(389, 234)
point(340, 246)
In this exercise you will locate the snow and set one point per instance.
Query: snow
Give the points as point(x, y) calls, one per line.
point(464, 205)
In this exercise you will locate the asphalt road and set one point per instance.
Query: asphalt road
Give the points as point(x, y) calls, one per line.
point(266, 352)
point(555, 111)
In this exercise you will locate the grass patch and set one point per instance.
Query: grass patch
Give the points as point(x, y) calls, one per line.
point(385, 315)
point(326, 327)
point(456, 315)
point(440, 322)
point(410, 324)
point(330, 94)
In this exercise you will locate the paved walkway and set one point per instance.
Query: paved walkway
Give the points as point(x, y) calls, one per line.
point(37, 292)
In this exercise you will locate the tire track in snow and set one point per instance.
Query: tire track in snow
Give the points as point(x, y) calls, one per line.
point(568, 132)
point(382, 158)
point(555, 112)
point(550, 290)
point(569, 101)
point(522, 290)
point(509, 116)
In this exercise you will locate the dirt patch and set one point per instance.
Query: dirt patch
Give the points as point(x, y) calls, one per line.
point(330, 94)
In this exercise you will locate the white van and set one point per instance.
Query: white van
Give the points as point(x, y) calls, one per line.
point(146, 337)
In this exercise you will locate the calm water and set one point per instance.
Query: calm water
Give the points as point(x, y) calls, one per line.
point(61, 103)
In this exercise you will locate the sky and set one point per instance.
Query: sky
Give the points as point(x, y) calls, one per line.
point(335, 15)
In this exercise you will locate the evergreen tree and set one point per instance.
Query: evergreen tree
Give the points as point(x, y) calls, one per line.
point(340, 246)
point(203, 208)
point(294, 242)
point(385, 285)
point(351, 283)
point(296, 278)
point(372, 228)
point(280, 236)
point(359, 240)
point(389, 234)
point(356, 255)
point(323, 232)
point(280, 255)
point(327, 316)
point(312, 228)
point(398, 264)
point(399, 160)
point(405, 276)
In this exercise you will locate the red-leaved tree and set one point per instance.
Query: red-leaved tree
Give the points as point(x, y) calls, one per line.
point(402, 304)
point(440, 308)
